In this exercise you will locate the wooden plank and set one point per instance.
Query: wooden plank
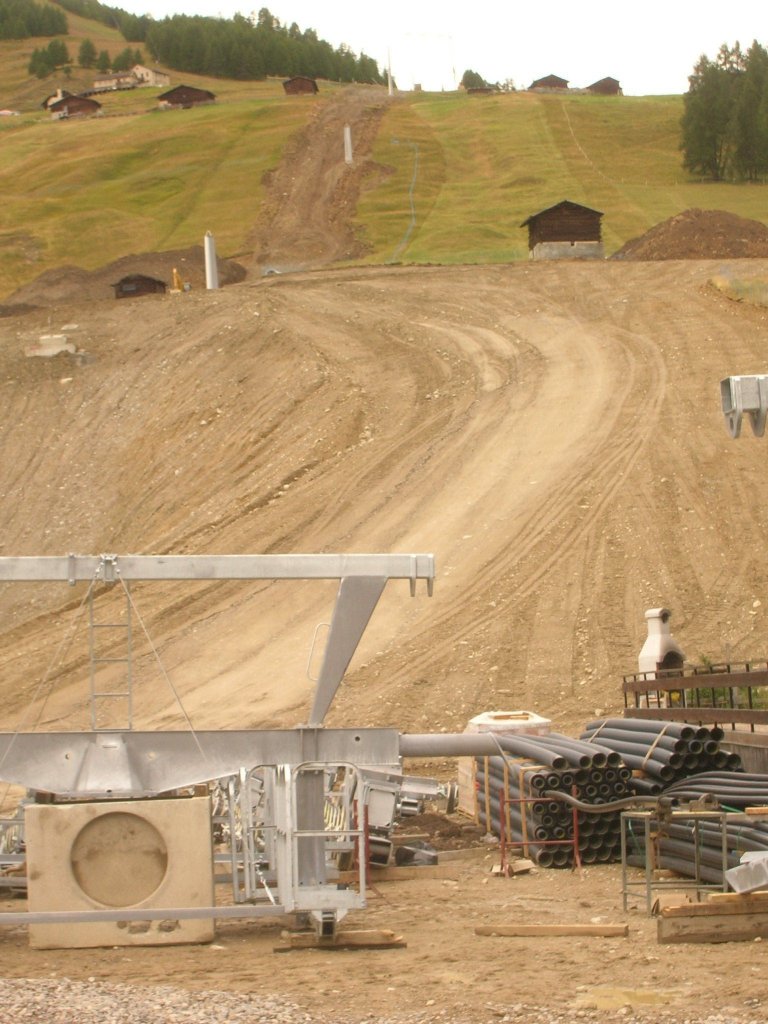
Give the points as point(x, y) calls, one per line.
point(406, 873)
point(737, 897)
point(362, 939)
point(712, 928)
point(719, 716)
point(718, 908)
point(504, 930)
point(701, 681)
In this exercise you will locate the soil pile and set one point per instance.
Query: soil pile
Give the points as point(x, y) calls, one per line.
point(699, 235)
point(71, 284)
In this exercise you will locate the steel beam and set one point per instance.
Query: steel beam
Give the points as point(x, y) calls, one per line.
point(142, 764)
point(80, 568)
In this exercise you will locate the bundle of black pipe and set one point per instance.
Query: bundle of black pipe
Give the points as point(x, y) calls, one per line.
point(694, 848)
point(513, 800)
point(662, 752)
point(732, 790)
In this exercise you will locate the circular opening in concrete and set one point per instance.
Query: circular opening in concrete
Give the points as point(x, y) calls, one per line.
point(119, 859)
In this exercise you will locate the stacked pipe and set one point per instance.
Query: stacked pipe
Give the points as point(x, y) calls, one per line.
point(732, 790)
point(517, 798)
point(694, 847)
point(661, 753)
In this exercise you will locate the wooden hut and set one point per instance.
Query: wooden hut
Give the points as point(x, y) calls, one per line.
point(74, 106)
point(606, 87)
point(133, 285)
point(300, 85)
point(181, 97)
point(548, 84)
point(564, 231)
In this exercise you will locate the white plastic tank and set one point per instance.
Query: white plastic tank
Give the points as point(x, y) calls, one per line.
point(502, 722)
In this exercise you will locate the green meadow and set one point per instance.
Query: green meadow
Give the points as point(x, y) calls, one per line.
point(451, 178)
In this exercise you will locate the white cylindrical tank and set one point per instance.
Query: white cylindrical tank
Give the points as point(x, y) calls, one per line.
point(211, 268)
point(502, 722)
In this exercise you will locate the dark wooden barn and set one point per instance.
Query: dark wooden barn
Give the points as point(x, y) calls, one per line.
point(185, 96)
point(300, 85)
point(606, 87)
point(565, 231)
point(74, 106)
point(550, 82)
point(133, 285)
point(60, 94)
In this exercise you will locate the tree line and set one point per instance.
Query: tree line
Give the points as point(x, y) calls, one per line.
point(246, 48)
point(240, 48)
point(725, 117)
point(25, 19)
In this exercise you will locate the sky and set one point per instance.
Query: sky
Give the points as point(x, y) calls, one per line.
point(650, 46)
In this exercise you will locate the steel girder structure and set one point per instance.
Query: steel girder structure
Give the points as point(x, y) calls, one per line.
point(120, 764)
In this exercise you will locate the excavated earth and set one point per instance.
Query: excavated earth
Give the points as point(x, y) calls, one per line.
point(551, 432)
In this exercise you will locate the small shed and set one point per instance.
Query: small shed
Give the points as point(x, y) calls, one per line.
point(549, 83)
point(74, 106)
point(185, 96)
point(300, 85)
point(564, 231)
point(133, 285)
point(606, 87)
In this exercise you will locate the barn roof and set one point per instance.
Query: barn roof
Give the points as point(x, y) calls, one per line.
point(565, 204)
point(549, 82)
point(186, 90)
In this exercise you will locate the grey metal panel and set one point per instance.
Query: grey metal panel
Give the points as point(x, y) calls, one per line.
point(73, 568)
point(139, 764)
point(355, 602)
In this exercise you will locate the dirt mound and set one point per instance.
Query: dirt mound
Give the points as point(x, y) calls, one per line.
point(67, 284)
point(699, 235)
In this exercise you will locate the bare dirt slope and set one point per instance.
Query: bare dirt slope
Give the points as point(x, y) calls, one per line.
point(306, 219)
point(551, 432)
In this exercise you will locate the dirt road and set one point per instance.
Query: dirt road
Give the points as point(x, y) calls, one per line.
point(551, 433)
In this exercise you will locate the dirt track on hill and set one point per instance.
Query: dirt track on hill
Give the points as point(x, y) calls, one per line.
point(551, 432)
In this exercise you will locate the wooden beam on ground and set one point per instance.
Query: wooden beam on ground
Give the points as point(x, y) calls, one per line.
point(714, 928)
point(514, 930)
point(403, 874)
point(363, 939)
point(725, 917)
point(718, 906)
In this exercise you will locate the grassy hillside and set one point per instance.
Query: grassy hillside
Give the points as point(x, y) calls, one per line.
point(454, 176)
point(478, 166)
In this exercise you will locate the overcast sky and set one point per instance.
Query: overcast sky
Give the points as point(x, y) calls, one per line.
point(650, 46)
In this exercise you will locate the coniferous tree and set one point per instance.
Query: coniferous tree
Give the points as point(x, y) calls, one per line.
point(86, 56)
point(748, 129)
point(724, 128)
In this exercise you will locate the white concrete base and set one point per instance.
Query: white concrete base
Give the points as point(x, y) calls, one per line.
point(101, 855)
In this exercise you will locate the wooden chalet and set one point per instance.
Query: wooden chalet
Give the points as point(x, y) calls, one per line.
point(114, 81)
point(182, 97)
point(565, 231)
point(549, 84)
point(74, 106)
point(60, 94)
point(150, 76)
point(606, 87)
point(133, 285)
point(300, 85)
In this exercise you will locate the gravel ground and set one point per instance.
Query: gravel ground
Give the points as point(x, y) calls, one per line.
point(62, 1001)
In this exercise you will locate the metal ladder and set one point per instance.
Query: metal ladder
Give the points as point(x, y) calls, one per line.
point(111, 707)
